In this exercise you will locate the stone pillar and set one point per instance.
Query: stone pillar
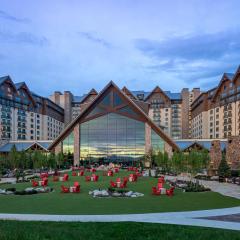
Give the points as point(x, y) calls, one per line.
point(168, 149)
point(215, 156)
point(233, 152)
point(68, 98)
point(58, 148)
point(76, 152)
point(148, 145)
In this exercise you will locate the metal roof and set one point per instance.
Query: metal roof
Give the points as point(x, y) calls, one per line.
point(2, 79)
point(172, 96)
point(230, 75)
point(79, 98)
point(182, 144)
point(24, 145)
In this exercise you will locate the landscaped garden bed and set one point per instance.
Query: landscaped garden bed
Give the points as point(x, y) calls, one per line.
point(83, 203)
point(113, 192)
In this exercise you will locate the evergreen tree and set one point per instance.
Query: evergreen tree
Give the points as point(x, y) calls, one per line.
point(224, 169)
point(13, 158)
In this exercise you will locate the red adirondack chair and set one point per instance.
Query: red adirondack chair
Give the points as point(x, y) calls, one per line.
point(116, 170)
point(161, 180)
point(43, 175)
point(125, 179)
point(155, 191)
point(87, 178)
point(123, 185)
point(118, 179)
point(160, 185)
point(65, 189)
point(110, 173)
point(81, 173)
point(44, 182)
point(76, 188)
point(113, 184)
point(65, 177)
point(170, 192)
point(93, 170)
point(34, 183)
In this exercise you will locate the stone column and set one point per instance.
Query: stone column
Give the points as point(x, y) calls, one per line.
point(168, 149)
point(76, 153)
point(147, 138)
point(233, 152)
point(215, 156)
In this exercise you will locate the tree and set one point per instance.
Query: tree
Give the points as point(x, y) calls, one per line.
point(52, 160)
point(13, 158)
point(224, 169)
point(60, 159)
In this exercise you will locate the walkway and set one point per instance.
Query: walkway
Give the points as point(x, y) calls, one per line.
point(206, 218)
point(227, 189)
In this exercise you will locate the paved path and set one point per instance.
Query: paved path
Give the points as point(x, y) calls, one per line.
point(194, 218)
point(227, 189)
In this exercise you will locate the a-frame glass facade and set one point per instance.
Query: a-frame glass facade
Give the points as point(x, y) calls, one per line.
point(114, 129)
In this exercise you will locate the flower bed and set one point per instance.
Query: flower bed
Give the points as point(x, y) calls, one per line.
point(113, 192)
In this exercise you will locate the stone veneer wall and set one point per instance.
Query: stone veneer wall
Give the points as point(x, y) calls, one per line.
point(168, 149)
point(233, 152)
point(76, 149)
point(215, 154)
point(147, 138)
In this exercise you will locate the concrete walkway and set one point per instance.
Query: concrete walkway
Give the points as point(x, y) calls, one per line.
point(194, 218)
point(227, 189)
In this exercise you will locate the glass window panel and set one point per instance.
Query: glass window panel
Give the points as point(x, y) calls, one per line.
point(128, 110)
point(106, 100)
point(68, 144)
point(112, 137)
point(157, 142)
point(117, 99)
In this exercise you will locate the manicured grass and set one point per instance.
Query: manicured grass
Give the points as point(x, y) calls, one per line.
point(83, 203)
point(14, 230)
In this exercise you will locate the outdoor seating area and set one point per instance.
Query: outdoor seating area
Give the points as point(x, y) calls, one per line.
point(72, 189)
point(161, 190)
point(119, 183)
point(136, 190)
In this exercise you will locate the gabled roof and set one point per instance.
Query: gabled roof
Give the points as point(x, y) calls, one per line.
point(237, 73)
point(206, 144)
point(23, 85)
point(128, 92)
point(7, 79)
point(157, 89)
point(24, 145)
point(131, 103)
point(85, 96)
point(225, 77)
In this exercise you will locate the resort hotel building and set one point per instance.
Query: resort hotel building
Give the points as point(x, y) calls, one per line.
point(113, 127)
point(25, 115)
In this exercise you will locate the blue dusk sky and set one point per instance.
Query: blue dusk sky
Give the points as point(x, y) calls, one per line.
point(76, 45)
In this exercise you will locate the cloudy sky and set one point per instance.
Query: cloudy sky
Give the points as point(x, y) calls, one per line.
point(76, 45)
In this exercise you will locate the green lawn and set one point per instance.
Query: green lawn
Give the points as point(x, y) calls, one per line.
point(82, 203)
point(14, 230)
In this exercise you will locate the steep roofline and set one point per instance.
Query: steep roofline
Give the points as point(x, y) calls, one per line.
point(8, 78)
point(70, 127)
point(92, 91)
point(223, 79)
point(154, 90)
